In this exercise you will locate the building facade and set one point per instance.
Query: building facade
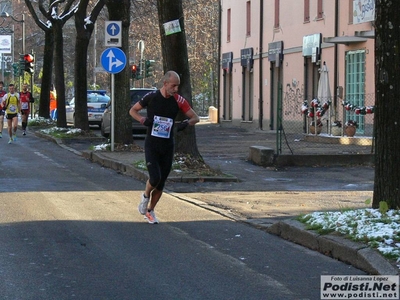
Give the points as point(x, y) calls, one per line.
point(272, 52)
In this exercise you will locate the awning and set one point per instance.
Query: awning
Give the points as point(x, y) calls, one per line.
point(370, 34)
point(345, 39)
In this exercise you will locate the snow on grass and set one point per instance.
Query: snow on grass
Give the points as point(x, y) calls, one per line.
point(72, 131)
point(101, 147)
point(376, 229)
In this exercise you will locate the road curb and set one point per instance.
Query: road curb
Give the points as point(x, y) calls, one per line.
point(356, 254)
point(114, 164)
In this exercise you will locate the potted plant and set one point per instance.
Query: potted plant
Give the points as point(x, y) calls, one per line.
point(350, 128)
point(319, 127)
point(336, 128)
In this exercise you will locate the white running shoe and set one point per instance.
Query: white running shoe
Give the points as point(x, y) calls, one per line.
point(150, 216)
point(143, 204)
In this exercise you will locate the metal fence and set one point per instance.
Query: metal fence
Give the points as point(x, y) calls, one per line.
point(297, 117)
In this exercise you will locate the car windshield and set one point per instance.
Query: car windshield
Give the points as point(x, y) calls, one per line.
point(96, 98)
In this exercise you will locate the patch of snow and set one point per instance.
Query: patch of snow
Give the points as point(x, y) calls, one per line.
point(378, 230)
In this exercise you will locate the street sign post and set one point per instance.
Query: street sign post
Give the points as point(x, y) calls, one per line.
point(113, 34)
point(113, 61)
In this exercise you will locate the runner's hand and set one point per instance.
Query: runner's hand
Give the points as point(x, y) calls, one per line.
point(182, 125)
point(146, 122)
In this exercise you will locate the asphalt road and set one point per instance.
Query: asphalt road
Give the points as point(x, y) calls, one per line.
point(69, 229)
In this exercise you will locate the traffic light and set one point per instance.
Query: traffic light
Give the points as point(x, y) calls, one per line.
point(139, 73)
point(16, 69)
point(133, 71)
point(149, 68)
point(29, 63)
point(21, 64)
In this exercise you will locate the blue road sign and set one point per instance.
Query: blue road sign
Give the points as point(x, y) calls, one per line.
point(113, 60)
point(113, 29)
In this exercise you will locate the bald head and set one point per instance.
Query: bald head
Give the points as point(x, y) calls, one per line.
point(171, 82)
point(171, 75)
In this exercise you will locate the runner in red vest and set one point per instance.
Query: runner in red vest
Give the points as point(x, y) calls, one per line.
point(25, 97)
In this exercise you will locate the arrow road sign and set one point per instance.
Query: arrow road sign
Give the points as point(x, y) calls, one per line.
point(113, 34)
point(113, 60)
point(113, 29)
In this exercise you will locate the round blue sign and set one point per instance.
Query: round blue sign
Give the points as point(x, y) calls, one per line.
point(113, 29)
point(113, 60)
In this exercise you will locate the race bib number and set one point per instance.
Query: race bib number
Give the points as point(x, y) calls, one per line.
point(162, 127)
point(13, 108)
point(24, 105)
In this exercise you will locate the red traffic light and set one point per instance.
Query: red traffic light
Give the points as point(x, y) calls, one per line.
point(29, 58)
point(133, 68)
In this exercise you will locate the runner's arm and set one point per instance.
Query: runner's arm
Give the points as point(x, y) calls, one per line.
point(193, 117)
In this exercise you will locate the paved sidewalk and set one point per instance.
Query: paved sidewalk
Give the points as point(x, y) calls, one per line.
point(267, 198)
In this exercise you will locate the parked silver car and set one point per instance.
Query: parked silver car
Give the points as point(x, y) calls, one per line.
point(136, 94)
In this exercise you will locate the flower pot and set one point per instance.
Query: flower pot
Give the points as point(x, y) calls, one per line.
point(350, 130)
point(336, 131)
point(312, 129)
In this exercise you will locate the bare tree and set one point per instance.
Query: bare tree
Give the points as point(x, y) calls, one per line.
point(84, 26)
point(387, 123)
point(57, 22)
point(44, 101)
point(175, 57)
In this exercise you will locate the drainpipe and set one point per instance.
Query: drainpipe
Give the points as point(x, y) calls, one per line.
point(260, 61)
point(336, 54)
point(219, 59)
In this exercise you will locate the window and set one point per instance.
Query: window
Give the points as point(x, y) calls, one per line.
point(248, 18)
point(355, 84)
point(320, 13)
point(228, 25)
point(306, 10)
point(276, 22)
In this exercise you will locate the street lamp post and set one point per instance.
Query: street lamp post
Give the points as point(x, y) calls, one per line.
point(7, 15)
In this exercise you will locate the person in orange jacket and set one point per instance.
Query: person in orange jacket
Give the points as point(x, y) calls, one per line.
point(53, 103)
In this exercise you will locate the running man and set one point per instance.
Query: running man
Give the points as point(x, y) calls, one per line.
point(163, 106)
point(11, 104)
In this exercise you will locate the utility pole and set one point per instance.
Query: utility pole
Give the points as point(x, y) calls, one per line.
point(141, 49)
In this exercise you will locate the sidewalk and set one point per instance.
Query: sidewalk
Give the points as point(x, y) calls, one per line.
point(266, 198)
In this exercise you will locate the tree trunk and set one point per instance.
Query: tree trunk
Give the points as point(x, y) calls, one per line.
point(387, 108)
point(59, 72)
point(80, 82)
point(175, 57)
point(120, 10)
point(84, 30)
point(80, 79)
point(44, 102)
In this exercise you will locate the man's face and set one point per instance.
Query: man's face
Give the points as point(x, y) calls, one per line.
point(24, 87)
point(11, 89)
point(172, 85)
